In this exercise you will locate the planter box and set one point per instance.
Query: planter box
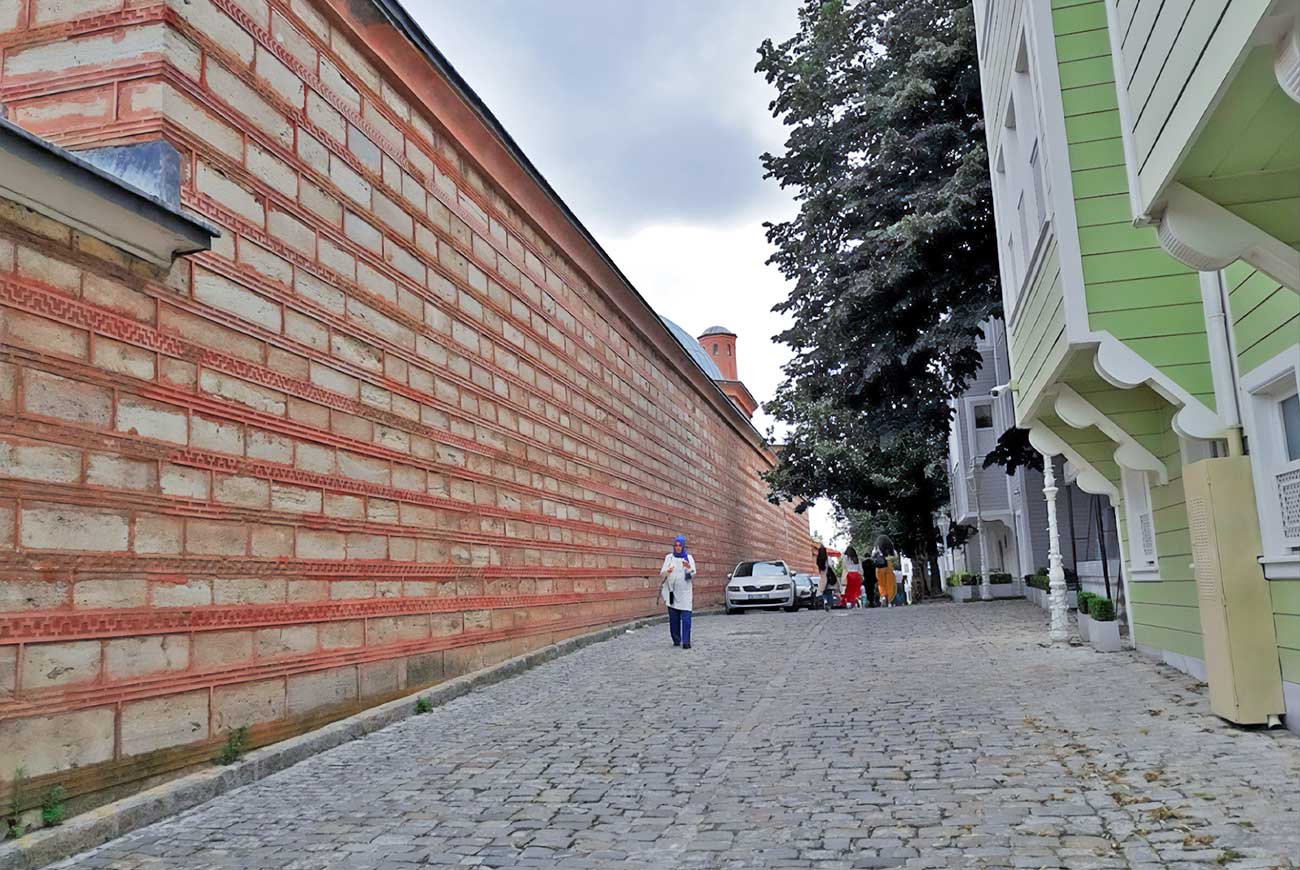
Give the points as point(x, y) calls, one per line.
point(1104, 636)
point(1085, 628)
point(960, 593)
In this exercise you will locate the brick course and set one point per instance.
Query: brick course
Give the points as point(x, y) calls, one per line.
point(389, 429)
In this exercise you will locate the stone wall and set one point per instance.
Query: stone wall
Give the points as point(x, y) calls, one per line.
point(403, 421)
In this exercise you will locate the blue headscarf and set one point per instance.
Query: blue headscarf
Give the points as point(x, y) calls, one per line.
point(681, 539)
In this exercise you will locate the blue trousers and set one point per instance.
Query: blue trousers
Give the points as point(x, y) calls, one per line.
point(679, 625)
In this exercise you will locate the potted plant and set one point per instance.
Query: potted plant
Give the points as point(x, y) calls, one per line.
point(958, 589)
point(1085, 625)
point(1103, 630)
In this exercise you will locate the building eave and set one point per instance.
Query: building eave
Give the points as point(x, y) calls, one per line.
point(60, 185)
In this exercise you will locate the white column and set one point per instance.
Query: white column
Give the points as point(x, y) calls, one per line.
point(986, 593)
point(1060, 626)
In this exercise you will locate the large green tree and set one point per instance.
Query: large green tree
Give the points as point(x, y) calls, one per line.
point(892, 255)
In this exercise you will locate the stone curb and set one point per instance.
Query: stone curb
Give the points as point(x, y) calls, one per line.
point(98, 826)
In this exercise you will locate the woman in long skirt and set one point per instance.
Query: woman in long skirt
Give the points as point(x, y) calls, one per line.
point(852, 578)
point(882, 556)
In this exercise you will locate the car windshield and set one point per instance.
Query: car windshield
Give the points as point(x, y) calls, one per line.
point(760, 569)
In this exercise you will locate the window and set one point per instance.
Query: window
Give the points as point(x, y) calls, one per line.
point(728, 350)
point(984, 416)
point(715, 348)
point(1141, 524)
point(1040, 197)
point(1289, 408)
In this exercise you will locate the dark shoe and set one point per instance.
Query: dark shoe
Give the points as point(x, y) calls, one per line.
point(677, 643)
point(686, 646)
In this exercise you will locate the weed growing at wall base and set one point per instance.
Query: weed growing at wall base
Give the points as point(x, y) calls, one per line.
point(236, 744)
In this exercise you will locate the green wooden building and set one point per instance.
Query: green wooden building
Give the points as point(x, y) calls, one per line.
point(1146, 170)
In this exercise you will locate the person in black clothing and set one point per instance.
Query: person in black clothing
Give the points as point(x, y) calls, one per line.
point(829, 580)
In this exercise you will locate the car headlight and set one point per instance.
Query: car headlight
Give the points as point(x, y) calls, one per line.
point(782, 587)
point(733, 588)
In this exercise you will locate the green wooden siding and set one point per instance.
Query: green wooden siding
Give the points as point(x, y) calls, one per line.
point(1038, 329)
point(1265, 315)
point(1286, 607)
point(1135, 291)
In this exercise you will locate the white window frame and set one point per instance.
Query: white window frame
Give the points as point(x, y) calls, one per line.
point(1140, 522)
point(1263, 390)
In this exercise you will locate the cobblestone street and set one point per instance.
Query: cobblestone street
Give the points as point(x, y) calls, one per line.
point(933, 736)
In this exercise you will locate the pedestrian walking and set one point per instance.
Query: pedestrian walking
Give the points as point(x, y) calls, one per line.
point(885, 579)
point(678, 572)
point(852, 578)
point(905, 567)
point(829, 580)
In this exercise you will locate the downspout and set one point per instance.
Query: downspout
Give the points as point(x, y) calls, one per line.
point(1223, 357)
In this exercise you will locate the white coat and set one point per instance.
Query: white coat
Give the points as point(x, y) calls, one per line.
point(675, 582)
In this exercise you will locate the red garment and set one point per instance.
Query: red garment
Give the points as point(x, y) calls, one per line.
point(853, 588)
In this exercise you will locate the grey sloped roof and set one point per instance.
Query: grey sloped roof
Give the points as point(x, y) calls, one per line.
point(693, 347)
point(718, 330)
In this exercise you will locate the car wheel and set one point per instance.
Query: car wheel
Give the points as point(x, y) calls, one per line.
point(729, 610)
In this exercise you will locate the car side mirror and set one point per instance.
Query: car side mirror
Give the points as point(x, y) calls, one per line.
point(728, 576)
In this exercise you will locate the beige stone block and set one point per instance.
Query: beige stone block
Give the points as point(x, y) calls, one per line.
point(348, 589)
point(220, 436)
point(220, 292)
point(136, 656)
point(61, 741)
point(148, 419)
point(272, 170)
point(52, 396)
point(295, 499)
point(262, 260)
point(18, 595)
point(248, 590)
point(382, 678)
point(210, 20)
point(246, 704)
point(194, 592)
point(46, 665)
point(309, 590)
point(269, 446)
point(8, 671)
point(65, 56)
point(271, 541)
point(159, 534)
point(183, 482)
point(109, 592)
point(229, 194)
point(344, 506)
point(124, 359)
point(64, 527)
point(171, 720)
point(243, 491)
point(319, 544)
point(120, 472)
point(216, 537)
point(285, 641)
point(248, 103)
point(236, 390)
point(342, 635)
point(217, 649)
point(315, 691)
point(397, 629)
point(42, 462)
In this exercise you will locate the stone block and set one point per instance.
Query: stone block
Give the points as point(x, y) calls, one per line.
point(320, 544)
point(47, 665)
point(64, 527)
point(285, 641)
point(381, 678)
point(193, 592)
point(216, 537)
point(108, 592)
point(248, 590)
point(183, 482)
point(50, 395)
point(220, 436)
point(248, 102)
point(245, 704)
point(220, 292)
point(424, 670)
point(342, 635)
point(236, 390)
point(217, 649)
point(170, 720)
point(16, 595)
point(150, 419)
point(123, 359)
point(216, 24)
point(120, 472)
point(62, 740)
point(159, 534)
point(48, 463)
point(137, 656)
point(321, 689)
point(243, 491)
point(295, 499)
point(229, 194)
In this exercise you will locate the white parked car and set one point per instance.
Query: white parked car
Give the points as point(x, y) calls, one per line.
point(759, 584)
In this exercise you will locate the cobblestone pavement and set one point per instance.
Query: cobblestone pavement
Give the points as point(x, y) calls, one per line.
point(932, 736)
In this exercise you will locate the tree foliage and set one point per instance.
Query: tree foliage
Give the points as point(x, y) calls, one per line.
point(1014, 451)
point(892, 255)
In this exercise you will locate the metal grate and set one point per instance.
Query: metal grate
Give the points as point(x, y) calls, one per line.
point(1288, 494)
point(1202, 548)
point(1148, 532)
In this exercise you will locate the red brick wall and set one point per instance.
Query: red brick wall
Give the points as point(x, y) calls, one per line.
point(390, 429)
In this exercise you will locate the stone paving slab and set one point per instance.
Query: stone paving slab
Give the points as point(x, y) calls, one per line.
point(934, 736)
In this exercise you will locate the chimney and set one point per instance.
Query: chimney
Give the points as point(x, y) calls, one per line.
point(720, 344)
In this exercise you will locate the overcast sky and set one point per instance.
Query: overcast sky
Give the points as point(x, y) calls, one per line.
point(648, 118)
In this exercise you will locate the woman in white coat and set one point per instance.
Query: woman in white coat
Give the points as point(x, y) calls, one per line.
point(677, 573)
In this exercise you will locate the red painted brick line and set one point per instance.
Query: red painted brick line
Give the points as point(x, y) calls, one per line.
point(63, 698)
point(45, 626)
point(38, 300)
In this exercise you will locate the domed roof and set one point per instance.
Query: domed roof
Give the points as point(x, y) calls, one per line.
point(693, 347)
point(717, 330)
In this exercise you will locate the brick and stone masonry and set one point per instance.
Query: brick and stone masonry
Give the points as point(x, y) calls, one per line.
point(404, 420)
